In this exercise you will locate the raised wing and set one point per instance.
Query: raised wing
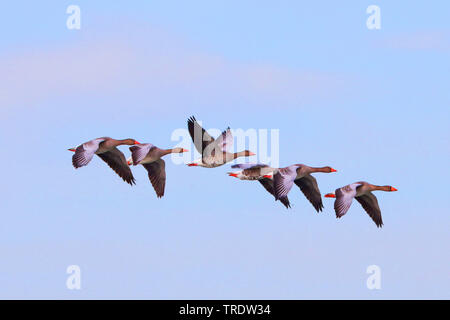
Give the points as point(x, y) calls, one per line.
point(344, 198)
point(157, 175)
point(220, 145)
point(283, 181)
point(370, 204)
point(116, 161)
point(139, 152)
point(200, 136)
point(224, 141)
point(308, 185)
point(84, 152)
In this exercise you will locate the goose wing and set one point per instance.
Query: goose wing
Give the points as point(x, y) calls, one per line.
point(245, 165)
point(84, 152)
point(157, 175)
point(308, 185)
point(370, 204)
point(268, 185)
point(116, 161)
point(139, 152)
point(283, 181)
point(223, 142)
point(344, 198)
point(200, 136)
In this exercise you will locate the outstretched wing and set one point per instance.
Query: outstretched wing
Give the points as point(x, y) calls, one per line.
point(84, 152)
point(157, 175)
point(370, 204)
point(308, 185)
point(268, 185)
point(116, 161)
point(200, 136)
point(344, 198)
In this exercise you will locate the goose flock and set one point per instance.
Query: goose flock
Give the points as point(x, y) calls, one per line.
point(214, 153)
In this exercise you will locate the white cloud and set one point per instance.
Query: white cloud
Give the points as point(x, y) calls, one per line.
point(38, 74)
point(161, 66)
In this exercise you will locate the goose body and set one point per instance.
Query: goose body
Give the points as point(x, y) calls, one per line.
point(149, 156)
point(106, 149)
point(300, 174)
point(252, 171)
point(214, 151)
point(362, 192)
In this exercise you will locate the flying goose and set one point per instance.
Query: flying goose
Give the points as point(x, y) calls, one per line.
point(299, 174)
point(362, 192)
point(150, 157)
point(214, 152)
point(106, 149)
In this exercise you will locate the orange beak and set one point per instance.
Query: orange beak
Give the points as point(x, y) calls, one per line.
point(252, 154)
point(135, 142)
point(393, 189)
point(233, 175)
point(129, 162)
point(192, 164)
point(330, 195)
point(71, 149)
point(333, 170)
point(185, 150)
point(267, 176)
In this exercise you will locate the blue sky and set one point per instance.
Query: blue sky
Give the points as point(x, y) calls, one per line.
point(374, 104)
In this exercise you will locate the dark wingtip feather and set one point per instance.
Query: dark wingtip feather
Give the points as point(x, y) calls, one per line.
point(131, 181)
point(192, 119)
point(319, 207)
point(285, 202)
